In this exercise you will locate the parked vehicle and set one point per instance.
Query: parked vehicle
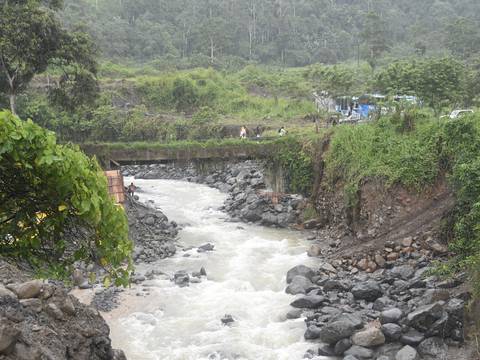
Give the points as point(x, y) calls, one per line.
point(459, 113)
point(455, 114)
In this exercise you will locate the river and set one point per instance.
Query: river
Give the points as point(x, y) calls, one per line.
point(245, 278)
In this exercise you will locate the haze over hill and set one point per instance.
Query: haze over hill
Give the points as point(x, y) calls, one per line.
point(287, 32)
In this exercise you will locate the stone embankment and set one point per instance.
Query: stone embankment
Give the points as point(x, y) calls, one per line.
point(249, 197)
point(152, 233)
point(39, 320)
point(385, 307)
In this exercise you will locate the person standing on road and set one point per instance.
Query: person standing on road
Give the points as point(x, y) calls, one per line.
point(243, 132)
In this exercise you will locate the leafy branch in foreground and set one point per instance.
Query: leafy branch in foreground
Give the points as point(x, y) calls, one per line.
point(55, 208)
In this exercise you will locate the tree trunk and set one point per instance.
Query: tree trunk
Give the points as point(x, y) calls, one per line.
point(13, 106)
point(212, 50)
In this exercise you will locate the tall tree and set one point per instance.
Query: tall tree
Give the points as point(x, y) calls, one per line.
point(375, 38)
point(31, 39)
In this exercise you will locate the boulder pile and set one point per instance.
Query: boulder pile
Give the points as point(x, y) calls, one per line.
point(398, 313)
point(152, 233)
point(41, 321)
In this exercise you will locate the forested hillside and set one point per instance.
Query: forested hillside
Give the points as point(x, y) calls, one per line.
point(186, 33)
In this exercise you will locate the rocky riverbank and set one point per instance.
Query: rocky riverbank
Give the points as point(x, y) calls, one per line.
point(39, 320)
point(393, 310)
point(153, 234)
point(249, 197)
point(154, 238)
point(380, 302)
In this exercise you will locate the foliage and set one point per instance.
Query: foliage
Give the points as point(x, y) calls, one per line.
point(374, 36)
point(31, 39)
point(55, 207)
point(462, 145)
point(463, 37)
point(379, 150)
point(204, 115)
point(340, 80)
point(189, 33)
point(439, 82)
point(295, 156)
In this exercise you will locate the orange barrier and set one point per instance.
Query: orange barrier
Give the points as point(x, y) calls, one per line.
point(116, 188)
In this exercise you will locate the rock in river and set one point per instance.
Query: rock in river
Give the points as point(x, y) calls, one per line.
point(299, 285)
point(336, 331)
point(300, 270)
point(309, 302)
point(369, 290)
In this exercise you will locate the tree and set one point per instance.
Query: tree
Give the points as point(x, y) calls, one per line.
point(31, 39)
point(399, 78)
point(55, 208)
point(441, 83)
point(336, 80)
point(374, 36)
point(463, 38)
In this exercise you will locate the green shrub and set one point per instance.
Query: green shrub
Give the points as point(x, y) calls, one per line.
point(55, 208)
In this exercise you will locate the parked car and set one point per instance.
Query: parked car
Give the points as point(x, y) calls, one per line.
point(455, 114)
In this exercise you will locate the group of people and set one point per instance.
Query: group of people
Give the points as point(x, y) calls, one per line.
point(244, 133)
point(258, 132)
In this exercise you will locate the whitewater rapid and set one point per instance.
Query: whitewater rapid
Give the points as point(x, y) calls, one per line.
point(245, 278)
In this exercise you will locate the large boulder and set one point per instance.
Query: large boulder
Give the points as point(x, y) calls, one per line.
point(412, 337)
point(312, 333)
point(403, 272)
point(27, 290)
point(181, 278)
point(425, 316)
point(342, 346)
point(332, 285)
point(433, 348)
point(8, 337)
point(336, 331)
point(354, 319)
point(407, 353)
point(360, 352)
point(299, 285)
point(205, 247)
point(369, 337)
point(309, 302)
point(300, 270)
point(392, 332)
point(7, 293)
point(391, 316)
point(368, 290)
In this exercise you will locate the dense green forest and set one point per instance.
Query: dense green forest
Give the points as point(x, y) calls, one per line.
point(188, 33)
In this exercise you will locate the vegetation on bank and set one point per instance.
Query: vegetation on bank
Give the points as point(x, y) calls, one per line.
point(414, 151)
point(200, 104)
point(55, 208)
